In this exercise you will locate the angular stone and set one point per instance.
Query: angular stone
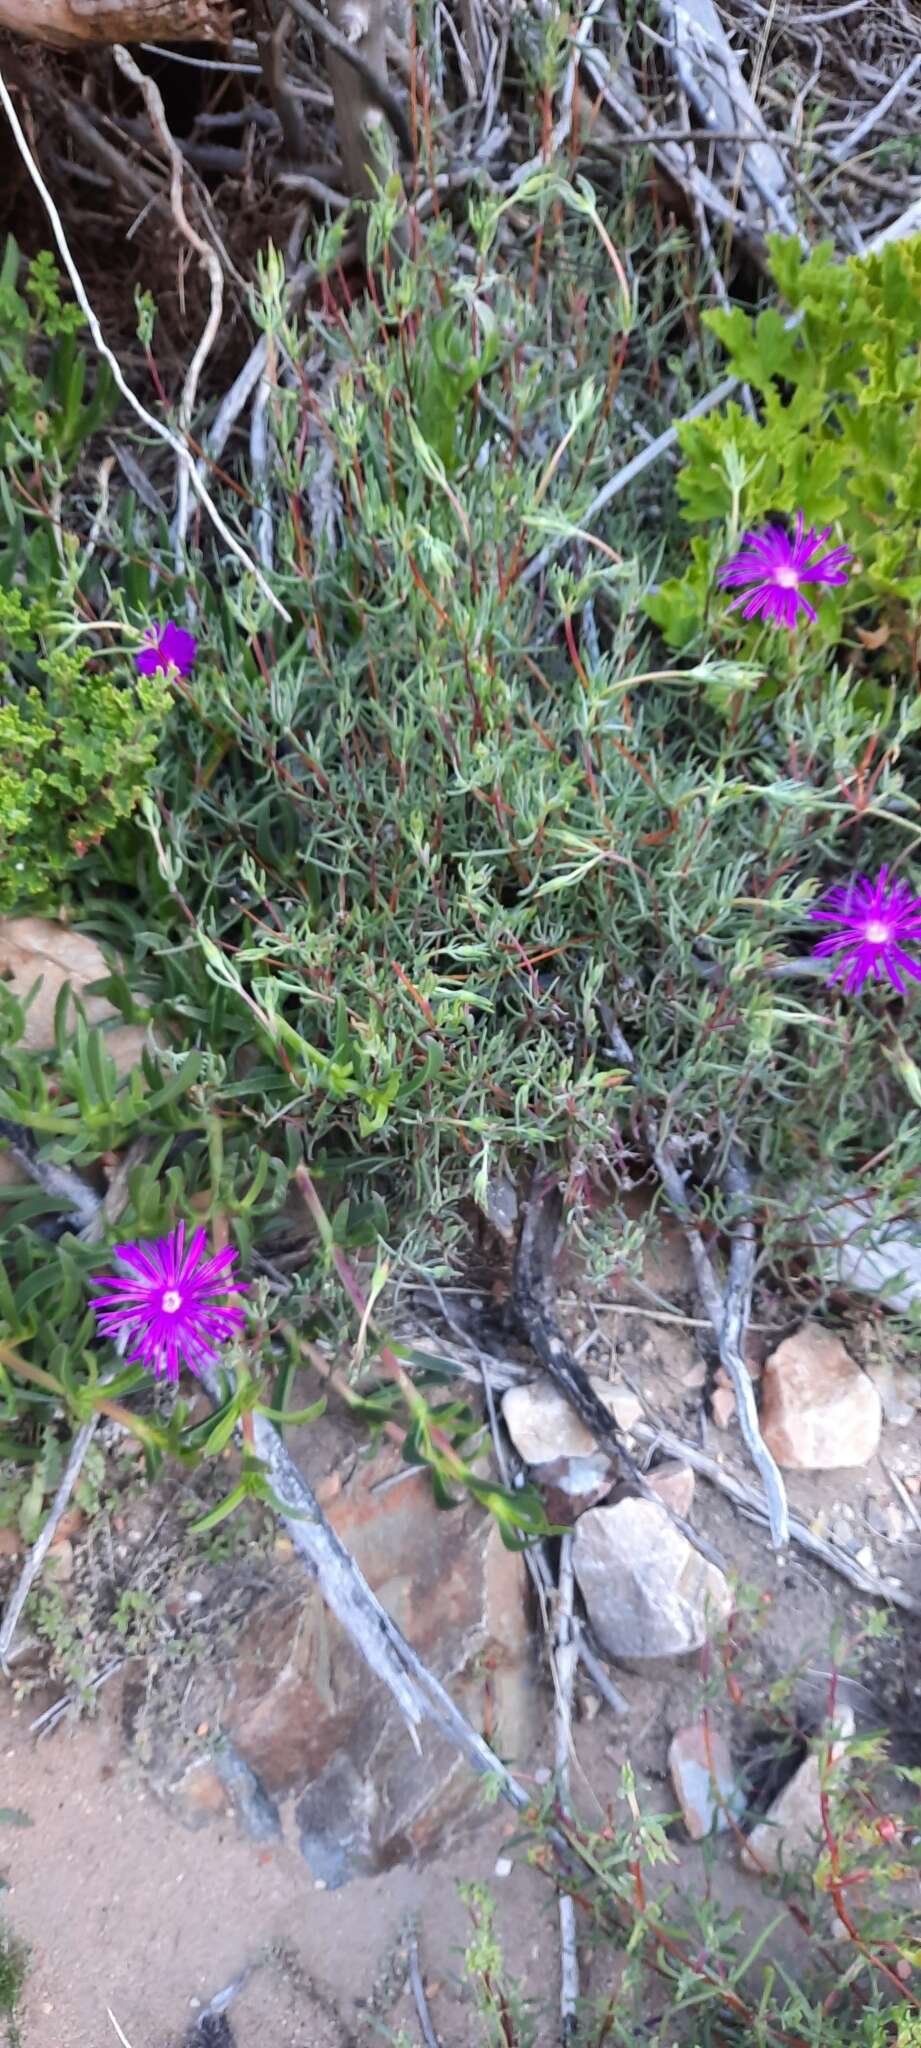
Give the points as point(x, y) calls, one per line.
point(722, 1406)
point(199, 1795)
point(307, 1719)
point(887, 1264)
point(543, 1426)
point(793, 1824)
point(704, 1780)
point(335, 1818)
point(570, 1485)
point(674, 1483)
point(818, 1410)
point(649, 1594)
point(36, 949)
point(899, 1391)
point(256, 1812)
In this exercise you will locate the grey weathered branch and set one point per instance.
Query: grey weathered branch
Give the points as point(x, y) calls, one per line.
point(355, 35)
point(565, 1656)
point(745, 1497)
point(419, 1695)
point(41, 1547)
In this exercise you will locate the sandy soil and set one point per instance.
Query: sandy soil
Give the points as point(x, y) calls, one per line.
point(129, 1911)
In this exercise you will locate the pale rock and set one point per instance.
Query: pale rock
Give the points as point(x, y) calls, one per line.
point(674, 1483)
point(543, 1426)
point(60, 1560)
point(722, 1406)
point(570, 1485)
point(34, 949)
point(887, 1265)
point(704, 1780)
point(648, 1592)
point(886, 1519)
point(793, 1825)
point(899, 1391)
point(500, 1204)
point(818, 1410)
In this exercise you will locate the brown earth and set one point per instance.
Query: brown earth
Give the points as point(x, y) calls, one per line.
point(134, 1903)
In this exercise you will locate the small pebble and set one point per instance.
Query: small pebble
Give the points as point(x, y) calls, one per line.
point(504, 1866)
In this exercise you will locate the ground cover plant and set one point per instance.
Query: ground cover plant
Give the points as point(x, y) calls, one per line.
point(468, 839)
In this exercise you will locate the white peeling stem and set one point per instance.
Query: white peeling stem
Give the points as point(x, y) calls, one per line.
point(419, 1695)
point(40, 1549)
point(565, 1657)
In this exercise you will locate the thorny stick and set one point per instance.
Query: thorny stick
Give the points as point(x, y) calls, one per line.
point(156, 426)
point(534, 1305)
point(729, 1311)
point(564, 1666)
point(534, 1554)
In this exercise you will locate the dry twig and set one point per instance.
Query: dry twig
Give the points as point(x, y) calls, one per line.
point(564, 1666)
point(41, 1547)
point(728, 1311)
point(210, 261)
point(417, 1988)
point(154, 425)
point(533, 1300)
point(746, 1498)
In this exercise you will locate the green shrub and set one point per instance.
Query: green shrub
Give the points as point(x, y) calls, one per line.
point(78, 734)
point(76, 747)
point(837, 433)
point(434, 827)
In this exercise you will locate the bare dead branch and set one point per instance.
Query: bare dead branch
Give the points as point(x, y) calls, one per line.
point(154, 425)
point(355, 39)
point(41, 1547)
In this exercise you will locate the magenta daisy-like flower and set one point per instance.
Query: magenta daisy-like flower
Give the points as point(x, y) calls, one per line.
point(165, 648)
point(874, 921)
point(170, 1303)
point(772, 568)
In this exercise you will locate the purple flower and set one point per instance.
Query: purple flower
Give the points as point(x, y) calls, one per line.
point(171, 1305)
point(772, 567)
point(873, 919)
point(167, 647)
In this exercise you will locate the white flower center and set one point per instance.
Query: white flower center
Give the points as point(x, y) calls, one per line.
point(787, 578)
point(171, 1302)
point(876, 933)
